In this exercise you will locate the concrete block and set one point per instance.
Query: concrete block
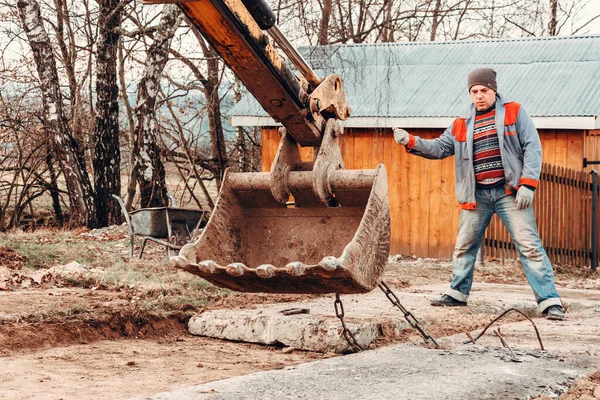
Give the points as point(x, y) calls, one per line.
point(301, 331)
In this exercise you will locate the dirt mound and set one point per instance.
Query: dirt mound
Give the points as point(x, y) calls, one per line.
point(586, 388)
point(36, 335)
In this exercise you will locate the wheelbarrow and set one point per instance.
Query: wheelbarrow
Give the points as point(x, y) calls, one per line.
point(171, 226)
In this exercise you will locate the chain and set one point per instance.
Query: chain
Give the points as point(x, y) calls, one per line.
point(410, 318)
point(348, 335)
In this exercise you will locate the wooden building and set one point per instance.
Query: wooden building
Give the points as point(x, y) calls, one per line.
point(422, 87)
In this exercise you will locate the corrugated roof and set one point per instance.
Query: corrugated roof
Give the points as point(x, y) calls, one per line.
point(551, 77)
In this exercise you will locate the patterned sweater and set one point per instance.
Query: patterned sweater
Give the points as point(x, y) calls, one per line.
point(487, 160)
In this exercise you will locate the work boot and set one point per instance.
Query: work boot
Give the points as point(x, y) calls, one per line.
point(447, 301)
point(555, 313)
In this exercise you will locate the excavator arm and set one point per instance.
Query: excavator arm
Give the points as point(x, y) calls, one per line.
point(236, 35)
point(304, 227)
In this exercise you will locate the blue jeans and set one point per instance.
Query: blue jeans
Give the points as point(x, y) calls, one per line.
point(522, 228)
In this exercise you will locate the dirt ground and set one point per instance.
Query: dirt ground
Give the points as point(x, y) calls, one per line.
point(115, 329)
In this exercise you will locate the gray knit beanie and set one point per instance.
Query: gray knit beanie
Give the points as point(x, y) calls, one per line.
point(483, 76)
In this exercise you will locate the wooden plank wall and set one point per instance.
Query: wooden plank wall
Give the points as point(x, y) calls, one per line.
point(592, 148)
point(563, 148)
point(270, 142)
point(424, 210)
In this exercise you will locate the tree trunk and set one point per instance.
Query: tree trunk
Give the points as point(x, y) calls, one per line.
point(239, 132)
point(66, 51)
point(66, 147)
point(213, 102)
point(552, 24)
point(388, 27)
point(437, 18)
point(54, 189)
point(323, 37)
point(131, 184)
point(149, 166)
point(107, 155)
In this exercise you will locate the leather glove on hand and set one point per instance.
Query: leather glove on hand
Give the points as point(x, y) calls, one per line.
point(401, 136)
point(524, 197)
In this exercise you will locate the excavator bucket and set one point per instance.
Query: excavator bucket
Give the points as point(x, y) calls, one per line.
point(255, 243)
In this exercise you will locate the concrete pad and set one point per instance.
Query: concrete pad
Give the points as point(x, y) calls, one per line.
point(320, 330)
point(460, 371)
point(402, 372)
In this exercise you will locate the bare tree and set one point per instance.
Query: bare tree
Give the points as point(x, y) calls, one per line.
point(211, 90)
point(66, 147)
point(326, 10)
point(148, 168)
point(107, 155)
point(436, 18)
point(210, 87)
point(387, 32)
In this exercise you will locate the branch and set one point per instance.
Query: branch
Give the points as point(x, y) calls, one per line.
point(135, 33)
point(586, 24)
point(520, 27)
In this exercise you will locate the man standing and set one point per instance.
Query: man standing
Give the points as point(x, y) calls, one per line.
point(498, 160)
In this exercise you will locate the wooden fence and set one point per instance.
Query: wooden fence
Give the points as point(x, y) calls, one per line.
point(562, 206)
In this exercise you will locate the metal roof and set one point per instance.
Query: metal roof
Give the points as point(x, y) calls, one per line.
point(550, 77)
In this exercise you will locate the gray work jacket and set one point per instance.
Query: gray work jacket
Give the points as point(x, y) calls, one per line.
point(520, 149)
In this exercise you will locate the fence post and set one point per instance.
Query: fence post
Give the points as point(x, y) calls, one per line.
point(594, 174)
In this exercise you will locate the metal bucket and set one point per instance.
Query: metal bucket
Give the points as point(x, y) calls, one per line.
point(252, 243)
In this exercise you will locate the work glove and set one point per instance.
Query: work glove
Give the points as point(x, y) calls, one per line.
point(524, 197)
point(401, 136)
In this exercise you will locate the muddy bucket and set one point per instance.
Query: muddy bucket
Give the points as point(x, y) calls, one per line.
point(254, 244)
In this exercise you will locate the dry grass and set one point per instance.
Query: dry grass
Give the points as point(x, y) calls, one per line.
point(149, 283)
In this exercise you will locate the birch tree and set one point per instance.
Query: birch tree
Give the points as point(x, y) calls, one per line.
point(148, 168)
point(82, 209)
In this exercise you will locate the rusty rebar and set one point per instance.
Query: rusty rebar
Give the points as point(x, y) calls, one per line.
point(471, 340)
point(505, 344)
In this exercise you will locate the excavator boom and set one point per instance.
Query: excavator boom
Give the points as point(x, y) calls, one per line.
point(246, 49)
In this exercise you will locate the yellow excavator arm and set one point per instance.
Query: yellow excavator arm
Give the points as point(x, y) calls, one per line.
point(302, 227)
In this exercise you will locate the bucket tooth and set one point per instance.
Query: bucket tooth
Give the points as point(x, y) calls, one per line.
point(330, 263)
point(295, 268)
point(181, 263)
point(207, 267)
point(236, 269)
point(265, 271)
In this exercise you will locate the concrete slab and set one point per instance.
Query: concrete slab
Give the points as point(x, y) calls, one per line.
point(302, 331)
point(402, 372)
